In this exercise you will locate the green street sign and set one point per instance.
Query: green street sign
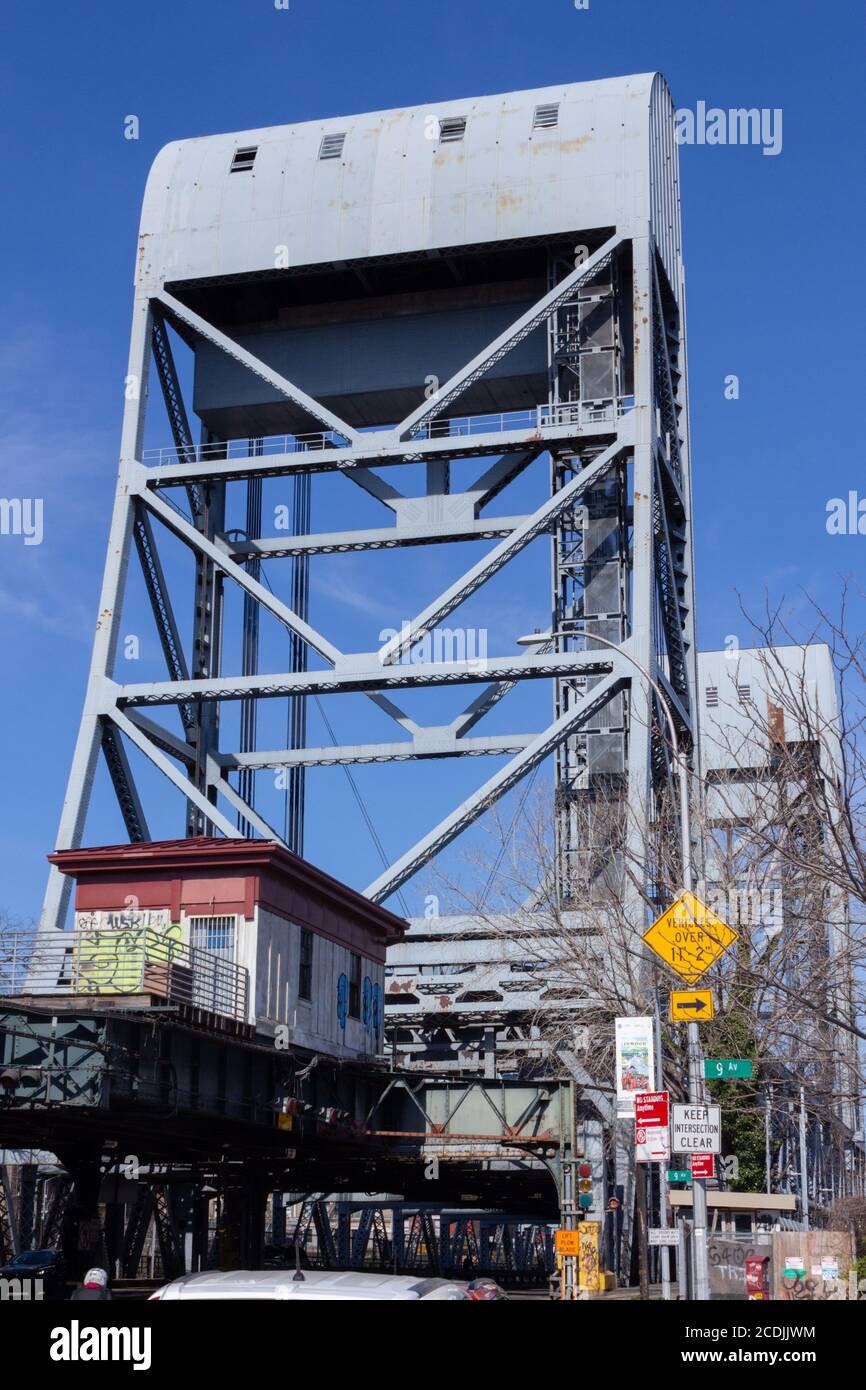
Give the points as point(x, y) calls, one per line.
point(728, 1069)
point(679, 1175)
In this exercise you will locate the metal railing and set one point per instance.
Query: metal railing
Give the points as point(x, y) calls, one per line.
point(117, 962)
point(241, 448)
point(579, 413)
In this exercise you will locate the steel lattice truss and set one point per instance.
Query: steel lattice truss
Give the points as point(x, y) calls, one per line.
point(590, 447)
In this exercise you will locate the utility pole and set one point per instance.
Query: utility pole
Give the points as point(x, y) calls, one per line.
point(642, 1237)
point(701, 1278)
point(804, 1161)
point(700, 1265)
point(664, 1205)
point(768, 1163)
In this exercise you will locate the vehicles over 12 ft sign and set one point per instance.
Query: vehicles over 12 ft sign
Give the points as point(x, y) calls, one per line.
point(689, 937)
point(696, 1129)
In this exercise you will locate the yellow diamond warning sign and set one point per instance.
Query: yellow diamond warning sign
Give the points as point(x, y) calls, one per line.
point(689, 937)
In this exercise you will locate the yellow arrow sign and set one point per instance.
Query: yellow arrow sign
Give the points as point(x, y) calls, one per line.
point(692, 1005)
point(689, 938)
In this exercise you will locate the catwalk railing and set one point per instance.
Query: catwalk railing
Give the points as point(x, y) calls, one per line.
point(541, 417)
point(121, 962)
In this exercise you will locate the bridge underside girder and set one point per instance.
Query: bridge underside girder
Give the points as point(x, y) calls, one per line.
point(135, 1102)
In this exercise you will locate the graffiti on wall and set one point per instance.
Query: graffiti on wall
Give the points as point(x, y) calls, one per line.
point(112, 961)
point(589, 1272)
point(727, 1256)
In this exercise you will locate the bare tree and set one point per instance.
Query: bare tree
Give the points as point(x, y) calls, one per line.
point(780, 832)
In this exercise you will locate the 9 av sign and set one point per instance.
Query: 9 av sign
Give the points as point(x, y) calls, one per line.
point(727, 1069)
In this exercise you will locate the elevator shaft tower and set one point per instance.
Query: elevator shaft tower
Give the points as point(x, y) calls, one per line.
point(486, 295)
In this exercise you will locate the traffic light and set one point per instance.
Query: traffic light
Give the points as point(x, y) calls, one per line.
point(584, 1186)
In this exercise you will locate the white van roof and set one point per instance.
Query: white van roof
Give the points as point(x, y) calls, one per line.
point(280, 1284)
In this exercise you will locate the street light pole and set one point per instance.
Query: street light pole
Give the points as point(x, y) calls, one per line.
point(701, 1280)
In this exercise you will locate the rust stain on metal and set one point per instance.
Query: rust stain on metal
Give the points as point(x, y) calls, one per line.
point(577, 143)
point(406, 986)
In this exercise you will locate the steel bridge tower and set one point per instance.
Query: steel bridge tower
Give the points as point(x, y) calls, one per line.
point(491, 289)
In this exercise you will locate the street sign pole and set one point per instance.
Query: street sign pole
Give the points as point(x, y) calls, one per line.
point(664, 1207)
point(700, 1262)
point(701, 1281)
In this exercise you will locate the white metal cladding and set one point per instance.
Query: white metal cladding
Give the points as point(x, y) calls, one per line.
point(743, 683)
point(664, 180)
point(607, 162)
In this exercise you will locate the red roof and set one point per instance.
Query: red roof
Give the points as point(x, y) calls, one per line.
point(157, 858)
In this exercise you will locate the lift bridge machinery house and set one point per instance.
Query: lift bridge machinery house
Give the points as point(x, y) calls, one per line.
point(487, 293)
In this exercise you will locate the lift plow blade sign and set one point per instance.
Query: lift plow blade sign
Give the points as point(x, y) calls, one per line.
point(689, 938)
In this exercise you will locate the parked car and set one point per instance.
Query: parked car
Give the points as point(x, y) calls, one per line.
point(281, 1284)
point(483, 1290)
point(45, 1265)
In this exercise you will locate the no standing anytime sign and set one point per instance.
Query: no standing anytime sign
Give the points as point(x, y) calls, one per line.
point(696, 1129)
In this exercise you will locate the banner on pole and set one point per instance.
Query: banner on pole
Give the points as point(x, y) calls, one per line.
point(635, 1061)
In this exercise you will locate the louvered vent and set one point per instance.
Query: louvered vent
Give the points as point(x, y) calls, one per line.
point(712, 697)
point(452, 128)
point(332, 145)
point(546, 117)
point(243, 160)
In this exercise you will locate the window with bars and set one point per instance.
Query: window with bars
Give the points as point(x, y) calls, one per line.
point(305, 966)
point(213, 934)
point(332, 145)
point(355, 969)
point(712, 697)
point(244, 159)
point(451, 128)
point(546, 117)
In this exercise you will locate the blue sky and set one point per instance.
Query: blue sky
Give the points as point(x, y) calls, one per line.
point(755, 228)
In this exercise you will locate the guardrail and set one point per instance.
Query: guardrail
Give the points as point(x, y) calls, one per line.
point(542, 417)
point(440, 427)
point(243, 448)
point(118, 962)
